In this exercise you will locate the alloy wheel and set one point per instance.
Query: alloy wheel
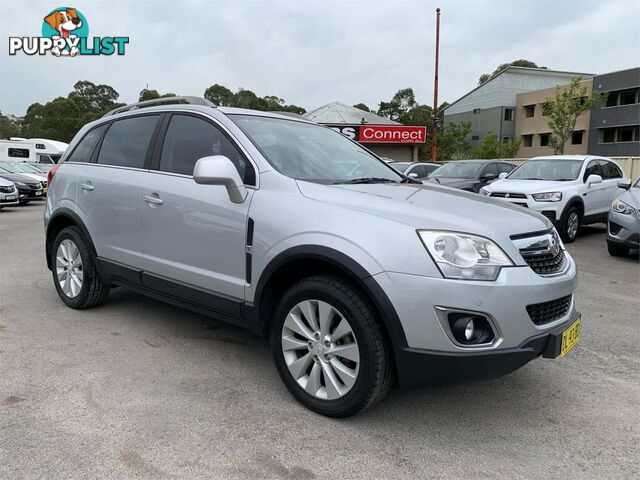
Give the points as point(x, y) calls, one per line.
point(69, 268)
point(572, 225)
point(320, 349)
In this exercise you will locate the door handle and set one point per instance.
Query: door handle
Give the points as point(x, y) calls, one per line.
point(86, 186)
point(153, 200)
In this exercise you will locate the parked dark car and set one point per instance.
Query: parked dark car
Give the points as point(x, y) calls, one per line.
point(28, 189)
point(470, 175)
point(419, 170)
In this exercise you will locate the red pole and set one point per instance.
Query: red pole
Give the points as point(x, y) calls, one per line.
point(434, 134)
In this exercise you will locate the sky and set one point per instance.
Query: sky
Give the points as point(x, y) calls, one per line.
point(314, 52)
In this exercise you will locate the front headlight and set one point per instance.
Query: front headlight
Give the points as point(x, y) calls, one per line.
point(464, 256)
point(484, 191)
point(620, 207)
point(547, 197)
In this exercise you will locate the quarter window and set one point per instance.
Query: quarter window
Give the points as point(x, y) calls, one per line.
point(126, 142)
point(592, 169)
point(84, 150)
point(189, 138)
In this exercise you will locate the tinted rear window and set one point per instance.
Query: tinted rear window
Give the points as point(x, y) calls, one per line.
point(126, 142)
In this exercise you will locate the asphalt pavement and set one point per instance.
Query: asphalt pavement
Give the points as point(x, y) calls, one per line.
point(140, 389)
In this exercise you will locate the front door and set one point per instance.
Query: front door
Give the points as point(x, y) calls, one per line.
point(192, 234)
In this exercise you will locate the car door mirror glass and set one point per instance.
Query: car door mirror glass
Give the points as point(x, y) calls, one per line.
point(625, 184)
point(219, 170)
point(593, 180)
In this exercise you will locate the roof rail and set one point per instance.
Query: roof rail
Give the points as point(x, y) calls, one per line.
point(160, 101)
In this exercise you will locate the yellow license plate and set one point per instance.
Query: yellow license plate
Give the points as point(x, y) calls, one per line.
point(570, 337)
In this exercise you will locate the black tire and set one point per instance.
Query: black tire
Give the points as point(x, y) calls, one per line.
point(616, 250)
point(376, 371)
point(567, 233)
point(93, 291)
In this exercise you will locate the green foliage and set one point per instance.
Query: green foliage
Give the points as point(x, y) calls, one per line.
point(564, 109)
point(452, 143)
point(493, 147)
point(9, 127)
point(147, 94)
point(362, 106)
point(222, 96)
point(516, 63)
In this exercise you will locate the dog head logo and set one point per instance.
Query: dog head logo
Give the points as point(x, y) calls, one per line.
point(65, 23)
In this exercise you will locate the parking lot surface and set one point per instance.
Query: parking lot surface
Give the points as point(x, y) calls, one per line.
point(140, 389)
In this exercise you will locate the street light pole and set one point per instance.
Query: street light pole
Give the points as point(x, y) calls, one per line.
point(434, 134)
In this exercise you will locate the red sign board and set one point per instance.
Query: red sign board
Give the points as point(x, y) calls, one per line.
point(392, 134)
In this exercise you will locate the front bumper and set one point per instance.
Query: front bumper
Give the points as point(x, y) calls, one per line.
point(551, 210)
point(418, 368)
point(624, 229)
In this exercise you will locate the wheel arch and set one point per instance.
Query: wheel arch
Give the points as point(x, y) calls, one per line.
point(574, 202)
point(303, 261)
point(61, 219)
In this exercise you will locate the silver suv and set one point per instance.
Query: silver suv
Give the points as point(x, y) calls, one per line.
point(359, 276)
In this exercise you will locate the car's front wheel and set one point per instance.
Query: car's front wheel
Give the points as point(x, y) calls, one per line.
point(328, 348)
point(74, 271)
point(569, 224)
point(617, 250)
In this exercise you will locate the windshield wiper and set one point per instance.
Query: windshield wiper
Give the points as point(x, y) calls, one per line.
point(366, 180)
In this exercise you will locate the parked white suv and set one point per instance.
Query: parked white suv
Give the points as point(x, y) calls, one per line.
point(570, 190)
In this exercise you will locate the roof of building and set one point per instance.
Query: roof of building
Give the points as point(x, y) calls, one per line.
point(337, 113)
point(537, 72)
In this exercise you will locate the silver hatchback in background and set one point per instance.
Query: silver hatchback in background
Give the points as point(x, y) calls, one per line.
point(359, 276)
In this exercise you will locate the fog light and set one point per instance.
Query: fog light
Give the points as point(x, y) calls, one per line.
point(469, 328)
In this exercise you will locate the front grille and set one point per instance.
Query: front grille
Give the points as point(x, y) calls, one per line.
point(7, 189)
point(547, 312)
point(508, 195)
point(545, 264)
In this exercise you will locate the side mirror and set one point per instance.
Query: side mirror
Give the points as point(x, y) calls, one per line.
point(413, 175)
point(593, 180)
point(503, 175)
point(487, 177)
point(624, 184)
point(219, 170)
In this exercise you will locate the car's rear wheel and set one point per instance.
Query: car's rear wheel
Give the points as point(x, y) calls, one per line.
point(328, 348)
point(569, 224)
point(74, 271)
point(617, 250)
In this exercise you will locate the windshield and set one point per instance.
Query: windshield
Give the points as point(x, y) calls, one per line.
point(313, 153)
point(8, 168)
point(400, 166)
point(457, 169)
point(555, 170)
point(24, 168)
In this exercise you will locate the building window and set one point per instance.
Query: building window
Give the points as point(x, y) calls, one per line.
point(608, 135)
point(612, 99)
point(576, 138)
point(475, 137)
point(544, 139)
point(628, 97)
point(625, 134)
point(527, 140)
point(620, 134)
point(529, 111)
point(476, 111)
point(508, 114)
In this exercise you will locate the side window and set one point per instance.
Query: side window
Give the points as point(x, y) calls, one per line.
point(592, 169)
point(505, 167)
point(190, 138)
point(609, 170)
point(491, 168)
point(126, 142)
point(84, 149)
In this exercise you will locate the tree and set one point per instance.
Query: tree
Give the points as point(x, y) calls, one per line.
point(493, 147)
point(98, 97)
point(8, 127)
point(362, 106)
point(146, 94)
point(564, 109)
point(399, 105)
point(516, 63)
point(220, 95)
point(452, 141)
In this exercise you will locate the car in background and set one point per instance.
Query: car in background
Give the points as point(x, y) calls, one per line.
point(28, 189)
point(570, 190)
point(470, 175)
point(8, 193)
point(24, 169)
point(418, 170)
point(623, 225)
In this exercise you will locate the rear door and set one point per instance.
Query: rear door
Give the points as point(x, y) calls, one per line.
point(611, 174)
point(194, 236)
point(110, 189)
